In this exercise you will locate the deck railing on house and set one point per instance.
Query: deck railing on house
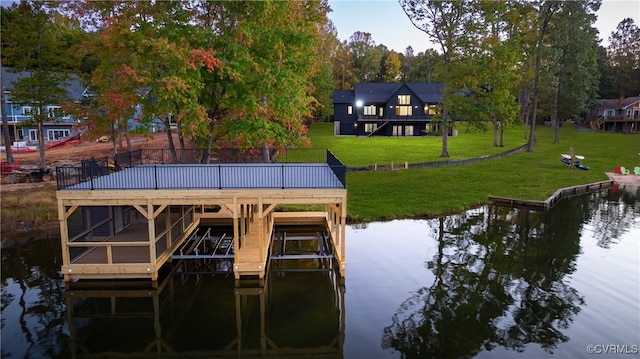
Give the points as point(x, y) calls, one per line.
point(153, 169)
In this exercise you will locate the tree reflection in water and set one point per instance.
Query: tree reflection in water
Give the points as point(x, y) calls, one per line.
point(499, 281)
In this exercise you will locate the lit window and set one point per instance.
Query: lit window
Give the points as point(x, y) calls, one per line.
point(349, 110)
point(370, 127)
point(381, 112)
point(430, 109)
point(404, 111)
point(370, 110)
point(404, 99)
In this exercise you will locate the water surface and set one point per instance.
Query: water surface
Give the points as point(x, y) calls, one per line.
point(487, 283)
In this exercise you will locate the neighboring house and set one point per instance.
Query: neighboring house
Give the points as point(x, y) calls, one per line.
point(59, 125)
point(387, 109)
point(615, 115)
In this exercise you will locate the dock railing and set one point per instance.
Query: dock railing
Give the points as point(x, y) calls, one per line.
point(221, 175)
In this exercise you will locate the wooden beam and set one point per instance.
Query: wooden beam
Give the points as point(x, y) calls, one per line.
point(335, 208)
point(159, 210)
point(69, 211)
point(142, 211)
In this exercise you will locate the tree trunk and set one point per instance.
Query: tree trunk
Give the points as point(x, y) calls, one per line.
point(5, 127)
point(495, 130)
point(172, 148)
point(543, 30)
point(41, 148)
point(445, 133)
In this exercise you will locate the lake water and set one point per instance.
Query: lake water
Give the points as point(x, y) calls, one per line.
point(491, 282)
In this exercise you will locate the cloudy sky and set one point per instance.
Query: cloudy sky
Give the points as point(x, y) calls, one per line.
point(388, 24)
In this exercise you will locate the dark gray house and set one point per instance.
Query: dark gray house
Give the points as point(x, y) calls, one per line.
point(387, 109)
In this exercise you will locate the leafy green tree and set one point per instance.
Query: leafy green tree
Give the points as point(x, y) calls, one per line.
point(365, 57)
point(575, 42)
point(487, 73)
point(445, 23)
point(606, 88)
point(624, 57)
point(424, 66)
point(36, 40)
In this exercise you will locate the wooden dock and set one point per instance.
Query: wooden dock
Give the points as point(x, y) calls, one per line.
point(550, 202)
point(129, 223)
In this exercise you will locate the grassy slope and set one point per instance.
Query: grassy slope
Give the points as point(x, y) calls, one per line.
point(433, 191)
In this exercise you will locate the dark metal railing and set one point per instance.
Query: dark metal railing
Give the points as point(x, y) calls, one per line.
point(220, 155)
point(153, 169)
point(338, 168)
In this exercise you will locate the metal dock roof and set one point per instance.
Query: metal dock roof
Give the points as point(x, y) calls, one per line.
point(217, 176)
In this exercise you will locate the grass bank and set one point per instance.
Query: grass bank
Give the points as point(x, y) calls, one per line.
point(432, 191)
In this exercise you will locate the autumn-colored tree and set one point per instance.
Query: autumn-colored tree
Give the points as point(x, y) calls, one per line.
point(147, 59)
point(269, 51)
point(391, 68)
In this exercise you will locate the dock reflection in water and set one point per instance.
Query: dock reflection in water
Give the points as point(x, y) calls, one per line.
point(289, 314)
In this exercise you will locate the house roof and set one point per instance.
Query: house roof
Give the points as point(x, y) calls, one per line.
point(343, 96)
point(73, 85)
point(382, 92)
point(616, 103)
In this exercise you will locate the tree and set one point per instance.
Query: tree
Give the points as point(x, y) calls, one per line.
point(32, 41)
point(575, 42)
point(488, 73)
point(269, 51)
point(423, 67)
point(391, 68)
point(624, 57)
point(445, 24)
point(548, 8)
point(365, 56)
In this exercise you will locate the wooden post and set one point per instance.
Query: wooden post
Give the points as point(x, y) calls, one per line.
point(573, 159)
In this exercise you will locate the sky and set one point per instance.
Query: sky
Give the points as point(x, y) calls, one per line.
point(390, 26)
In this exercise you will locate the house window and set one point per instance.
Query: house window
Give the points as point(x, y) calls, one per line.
point(54, 135)
point(404, 99)
point(370, 110)
point(370, 127)
point(26, 110)
point(408, 130)
point(381, 112)
point(54, 112)
point(404, 111)
point(33, 135)
point(609, 113)
point(430, 109)
point(397, 130)
point(349, 110)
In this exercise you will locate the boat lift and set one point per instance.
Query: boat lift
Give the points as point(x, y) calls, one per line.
point(206, 253)
point(310, 247)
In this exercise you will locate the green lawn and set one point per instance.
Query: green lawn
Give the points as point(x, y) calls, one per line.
point(433, 191)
